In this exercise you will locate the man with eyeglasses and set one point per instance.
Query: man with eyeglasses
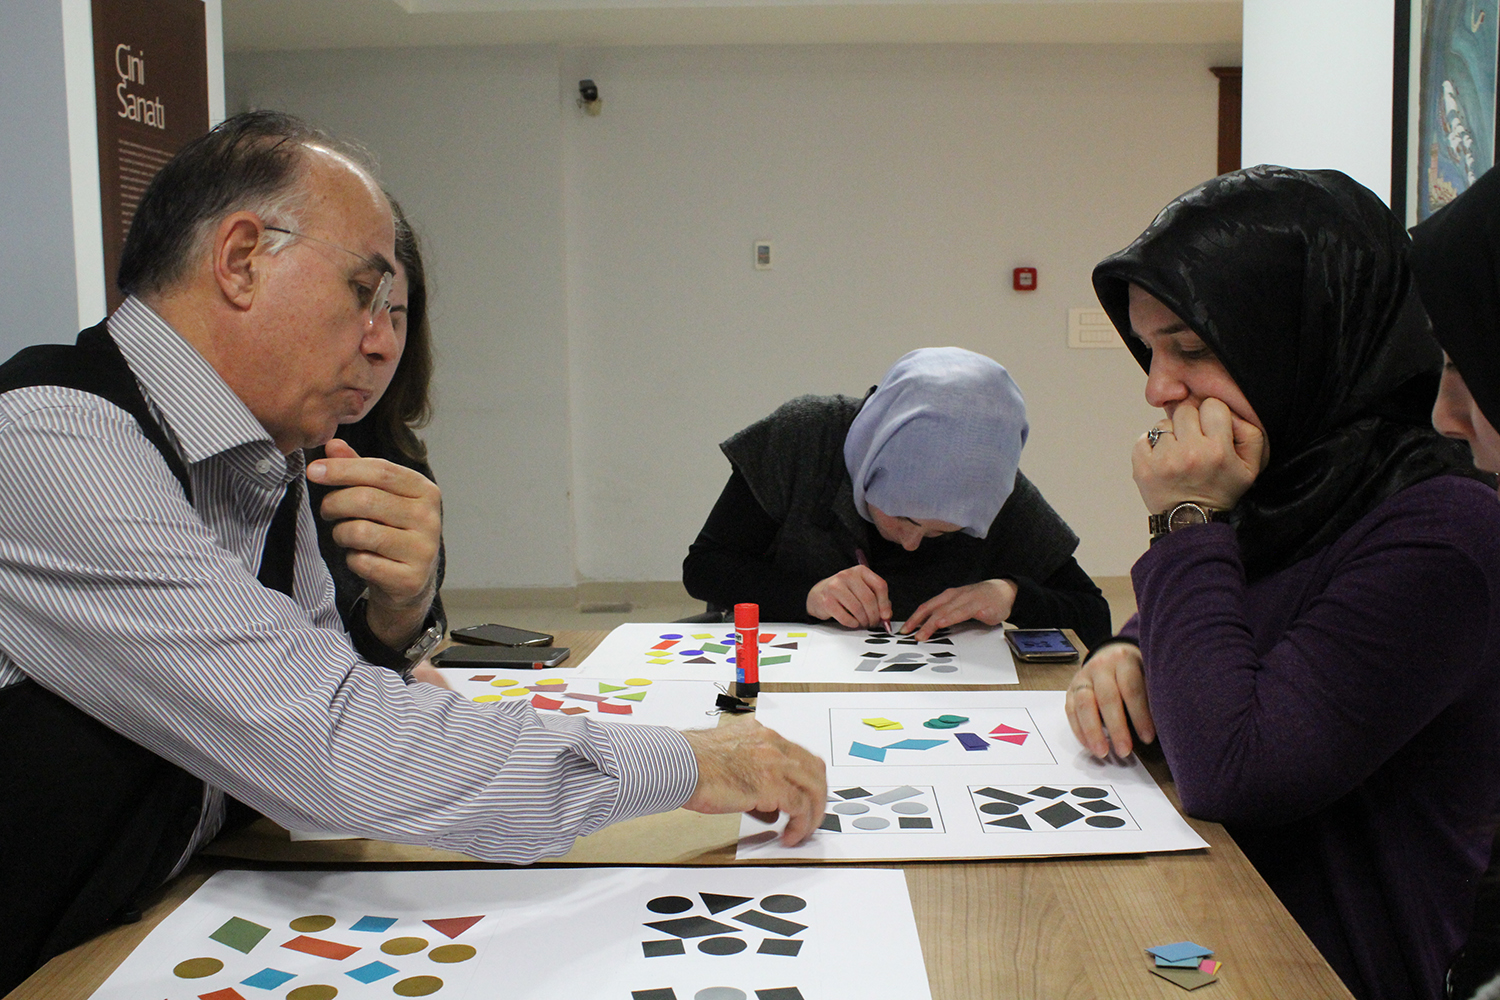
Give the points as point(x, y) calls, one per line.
point(169, 645)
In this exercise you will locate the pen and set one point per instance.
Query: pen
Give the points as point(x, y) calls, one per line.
point(747, 650)
point(859, 554)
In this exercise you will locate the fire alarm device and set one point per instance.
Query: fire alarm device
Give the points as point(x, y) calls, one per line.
point(1024, 279)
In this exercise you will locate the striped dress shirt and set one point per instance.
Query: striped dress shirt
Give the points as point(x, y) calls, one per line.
point(144, 612)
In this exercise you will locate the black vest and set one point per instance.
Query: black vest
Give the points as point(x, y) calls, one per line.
point(90, 822)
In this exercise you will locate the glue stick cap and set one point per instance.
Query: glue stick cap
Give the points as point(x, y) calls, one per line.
point(746, 616)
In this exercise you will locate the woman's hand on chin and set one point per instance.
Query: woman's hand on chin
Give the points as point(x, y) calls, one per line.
point(1205, 453)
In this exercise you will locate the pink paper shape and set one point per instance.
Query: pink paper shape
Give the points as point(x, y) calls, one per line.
point(587, 697)
point(609, 709)
point(540, 701)
point(1018, 738)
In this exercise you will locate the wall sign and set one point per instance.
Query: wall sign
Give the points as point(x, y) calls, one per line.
point(151, 95)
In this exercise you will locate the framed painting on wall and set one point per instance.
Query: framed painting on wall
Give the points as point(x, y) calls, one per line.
point(1448, 119)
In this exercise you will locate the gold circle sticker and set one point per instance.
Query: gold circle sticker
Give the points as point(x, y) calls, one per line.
point(638, 682)
point(310, 924)
point(197, 968)
point(450, 953)
point(314, 992)
point(404, 945)
point(417, 986)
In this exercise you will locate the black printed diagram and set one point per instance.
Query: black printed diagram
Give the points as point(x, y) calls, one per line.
point(1045, 808)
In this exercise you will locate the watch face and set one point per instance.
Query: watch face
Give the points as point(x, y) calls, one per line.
point(1187, 513)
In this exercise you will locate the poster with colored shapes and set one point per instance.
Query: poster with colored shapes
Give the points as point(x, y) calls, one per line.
point(964, 654)
point(544, 934)
point(643, 700)
point(962, 774)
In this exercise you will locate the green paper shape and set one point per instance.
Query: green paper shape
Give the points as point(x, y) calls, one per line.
point(940, 724)
point(766, 661)
point(240, 934)
point(638, 696)
point(606, 688)
point(714, 647)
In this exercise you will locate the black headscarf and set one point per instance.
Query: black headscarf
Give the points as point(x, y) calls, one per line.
point(1299, 283)
point(1456, 260)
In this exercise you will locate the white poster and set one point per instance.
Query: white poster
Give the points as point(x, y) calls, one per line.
point(539, 934)
point(966, 774)
point(791, 653)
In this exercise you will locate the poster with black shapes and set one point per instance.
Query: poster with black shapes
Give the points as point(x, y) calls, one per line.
point(969, 653)
point(546, 934)
point(997, 773)
point(1044, 808)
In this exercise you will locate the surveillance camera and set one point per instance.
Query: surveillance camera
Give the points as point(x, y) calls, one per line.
point(588, 91)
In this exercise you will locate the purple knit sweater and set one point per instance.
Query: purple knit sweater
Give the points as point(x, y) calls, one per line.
point(1342, 718)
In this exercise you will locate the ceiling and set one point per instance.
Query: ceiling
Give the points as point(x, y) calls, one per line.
point(261, 25)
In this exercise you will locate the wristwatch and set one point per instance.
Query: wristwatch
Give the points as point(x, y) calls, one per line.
point(399, 660)
point(1181, 516)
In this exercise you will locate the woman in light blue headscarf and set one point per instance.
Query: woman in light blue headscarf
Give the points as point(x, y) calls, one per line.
point(908, 505)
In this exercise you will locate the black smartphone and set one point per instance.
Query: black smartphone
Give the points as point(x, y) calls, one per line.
point(501, 656)
point(500, 635)
point(1041, 645)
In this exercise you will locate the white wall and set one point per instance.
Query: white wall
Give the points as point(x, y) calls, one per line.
point(600, 326)
point(1317, 86)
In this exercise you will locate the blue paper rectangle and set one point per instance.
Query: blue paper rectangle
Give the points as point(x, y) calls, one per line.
point(1179, 951)
point(971, 741)
point(867, 752)
point(378, 925)
point(370, 973)
point(268, 979)
point(915, 744)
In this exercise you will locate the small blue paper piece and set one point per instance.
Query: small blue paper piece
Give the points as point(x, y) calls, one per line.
point(915, 744)
point(876, 754)
point(1180, 951)
point(378, 925)
point(1181, 963)
point(268, 979)
point(971, 741)
point(370, 973)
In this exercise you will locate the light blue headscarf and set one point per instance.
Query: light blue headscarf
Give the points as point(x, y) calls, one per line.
point(939, 439)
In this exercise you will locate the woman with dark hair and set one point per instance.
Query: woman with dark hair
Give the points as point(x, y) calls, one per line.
point(1454, 256)
point(1317, 645)
point(386, 430)
point(906, 504)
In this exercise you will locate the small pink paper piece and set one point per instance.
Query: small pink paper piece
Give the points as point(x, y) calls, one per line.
point(1009, 734)
point(1209, 967)
point(609, 709)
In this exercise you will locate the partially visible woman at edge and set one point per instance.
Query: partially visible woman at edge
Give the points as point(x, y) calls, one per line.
point(1454, 259)
point(908, 504)
point(1317, 645)
point(386, 429)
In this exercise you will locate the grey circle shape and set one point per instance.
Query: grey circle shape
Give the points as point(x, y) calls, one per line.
point(944, 668)
point(998, 808)
point(783, 903)
point(720, 993)
point(721, 946)
point(851, 808)
point(1090, 792)
point(670, 904)
point(872, 822)
point(908, 808)
point(1103, 822)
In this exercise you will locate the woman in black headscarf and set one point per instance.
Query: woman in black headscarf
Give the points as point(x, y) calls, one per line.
point(1316, 647)
point(1456, 262)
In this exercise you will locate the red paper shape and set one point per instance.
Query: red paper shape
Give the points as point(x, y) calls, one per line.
point(453, 926)
point(767, 636)
point(539, 701)
point(321, 948)
point(1017, 738)
point(575, 710)
point(482, 677)
point(668, 644)
point(605, 706)
point(1009, 734)
point(225, 994)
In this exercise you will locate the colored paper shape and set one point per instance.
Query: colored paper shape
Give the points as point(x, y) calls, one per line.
point(376, 925)
point(482, 677)
point(575, 710)
point(879, 723)
point(1209, 967)
point(867, 752)
point(916, 744)
point(786, 645)
point(227, 993)
point(1018, 739)
point(852, 793)
point(914, 822)
point(239, 934)
point(780, 993)
point(1179, 963)
point(667, 644)
point(635, 696)
point(766, 922)
point(1014, 822)
point(452, 927)
point(796, 635)
point(268, 979)
point(1179, 950)
point(666, 993)
point(1002, 795)
point(609, 709)
point(971, 741)
point(639, 682)
point(831, 823)
point(691, 927)
point(700, 659)
point(718, 903)
point(1188, 979)
point(895, 794)
point(1059, 815)
point(374, 972)
point(664, 662)
point(714, 647)
point(1048, 792)
point(658, 949)
point(768, 661)
point(703, 635)
point(542, 701)
point(1003, 729)
point(778, 946)
point(321, 948)
point(586, 697)
point(606, 688)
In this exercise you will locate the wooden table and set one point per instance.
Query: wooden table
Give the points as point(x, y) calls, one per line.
point(1048, 929)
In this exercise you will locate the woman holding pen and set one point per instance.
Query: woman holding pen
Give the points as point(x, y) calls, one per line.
point(908, 504)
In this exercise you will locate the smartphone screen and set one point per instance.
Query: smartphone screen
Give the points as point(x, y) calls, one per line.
point(499, 656)
point(500, 635)
point(1041, 645)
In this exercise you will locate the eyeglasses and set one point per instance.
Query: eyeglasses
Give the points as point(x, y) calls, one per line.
point(380, 298)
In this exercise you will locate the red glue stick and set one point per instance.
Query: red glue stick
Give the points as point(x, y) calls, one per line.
point(747, 650)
